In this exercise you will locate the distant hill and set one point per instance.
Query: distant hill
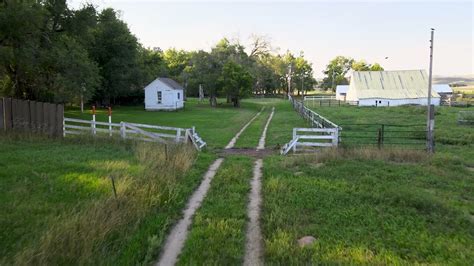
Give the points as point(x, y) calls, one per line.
point(463, 79)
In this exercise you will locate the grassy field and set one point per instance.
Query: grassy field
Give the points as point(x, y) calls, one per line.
point(369, 207)
point(362, 205)
point(67, 213)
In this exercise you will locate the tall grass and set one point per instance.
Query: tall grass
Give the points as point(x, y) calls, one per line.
point(87, 235)
point(386, 155)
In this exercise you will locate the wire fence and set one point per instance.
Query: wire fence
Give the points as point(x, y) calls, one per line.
point(317, 102)
point(411, 136)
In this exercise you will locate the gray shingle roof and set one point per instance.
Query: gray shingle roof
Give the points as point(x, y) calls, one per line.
point(171, 83)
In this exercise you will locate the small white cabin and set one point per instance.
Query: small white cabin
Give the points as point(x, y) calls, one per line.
point(164, 94)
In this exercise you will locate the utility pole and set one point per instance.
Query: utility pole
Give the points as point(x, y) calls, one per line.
point(334, 88)
point(289, 79)
point(302, 87)
point(83, 89)
point(430, 113)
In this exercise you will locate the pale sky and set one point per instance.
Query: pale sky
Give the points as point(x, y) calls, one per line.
point(370, 30)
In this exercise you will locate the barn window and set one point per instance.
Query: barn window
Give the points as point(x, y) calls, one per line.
point(178, 95)
point(159, 96)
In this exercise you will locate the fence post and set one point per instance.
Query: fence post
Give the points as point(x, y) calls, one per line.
point(294, 136)
point(60, 120)
point(383, 134)
point(110, 121)
point(335, 140)
point(178, 134)
point(379, 138)
point(2, 114)
point(93, 121)
point(186, 135)
point(123, 130)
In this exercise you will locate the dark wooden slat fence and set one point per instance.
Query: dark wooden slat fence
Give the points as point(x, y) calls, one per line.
point(30, 116)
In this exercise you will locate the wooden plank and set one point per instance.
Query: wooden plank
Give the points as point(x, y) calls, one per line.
point(59, 120)
point(152, 126)
point(2, 115)
point(315, 137)
point(314, 144)
point(143, 132)
point(22, 115)
point(15, 114)
point(39, 115)
point(327, 130)
point(51, 118)
point(33, 117)
point(27, 115)
point(67, 119)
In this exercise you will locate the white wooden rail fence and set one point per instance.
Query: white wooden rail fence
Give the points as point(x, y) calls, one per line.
point(324, 133)
point(125, 130)
point(315, 119)
point(306, 138)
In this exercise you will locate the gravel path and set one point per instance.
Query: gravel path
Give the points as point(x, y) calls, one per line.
point(261, 142)
point(253, 246)
point(175, 241)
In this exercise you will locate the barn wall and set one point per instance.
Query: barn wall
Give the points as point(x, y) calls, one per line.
point(341, 96)
point(398, 102)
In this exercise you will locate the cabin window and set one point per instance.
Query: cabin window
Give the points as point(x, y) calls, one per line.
point(178, 95)
point(159, 96)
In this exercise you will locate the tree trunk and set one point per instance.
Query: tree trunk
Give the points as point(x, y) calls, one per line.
point(228, 98)
point(213, 101)
point(236, 102)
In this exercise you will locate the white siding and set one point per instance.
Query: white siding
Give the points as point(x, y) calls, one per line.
point(397, 102)
point(169, 97)
point(341, 91)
